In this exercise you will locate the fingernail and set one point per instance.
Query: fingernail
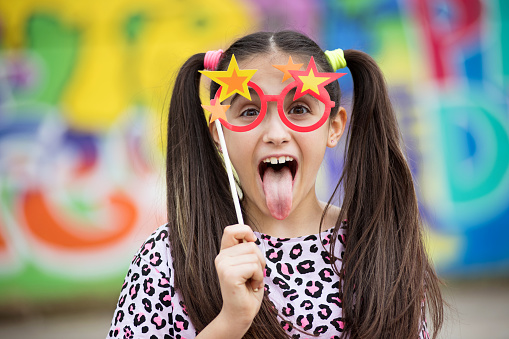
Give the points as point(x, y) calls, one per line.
point(256, 289)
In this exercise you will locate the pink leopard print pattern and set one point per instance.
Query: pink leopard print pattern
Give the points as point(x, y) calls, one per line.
point(298, 279)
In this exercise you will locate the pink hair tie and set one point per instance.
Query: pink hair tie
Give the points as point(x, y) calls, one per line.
point(212, 59)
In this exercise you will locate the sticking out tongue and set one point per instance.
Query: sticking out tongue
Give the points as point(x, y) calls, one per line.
point(277, 186)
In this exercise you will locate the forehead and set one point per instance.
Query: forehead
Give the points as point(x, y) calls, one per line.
point(274, 58)
point(267, 76)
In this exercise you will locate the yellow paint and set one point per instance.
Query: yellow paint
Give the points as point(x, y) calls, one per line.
point(443, 249)
point(111, 74)
point(394, 55)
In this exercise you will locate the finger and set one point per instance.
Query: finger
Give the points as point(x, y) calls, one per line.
point(241, 249)
point(248, 273)
point(234, 235)
point(233, 269)
point(229, 263)
point(256, 280)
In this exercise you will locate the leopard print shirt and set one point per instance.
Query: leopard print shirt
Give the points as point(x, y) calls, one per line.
point(298, 279)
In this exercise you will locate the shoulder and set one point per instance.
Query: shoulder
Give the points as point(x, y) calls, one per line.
point(156, 249)
point(151, 270)
point(148, 302)
point(155, 253)
point(152, 264)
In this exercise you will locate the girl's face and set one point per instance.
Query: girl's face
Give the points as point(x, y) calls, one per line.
point(277, 166)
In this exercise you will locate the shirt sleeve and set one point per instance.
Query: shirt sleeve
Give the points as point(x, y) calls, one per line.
point(145, 308)
point(423, 332)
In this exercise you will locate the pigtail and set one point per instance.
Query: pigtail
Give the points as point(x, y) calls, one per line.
point(200, 206)
point(198, 198)
point(385, 273)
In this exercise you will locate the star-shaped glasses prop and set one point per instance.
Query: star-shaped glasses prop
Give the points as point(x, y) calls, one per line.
point(303, 105)
point(311, 81)
point(233, 80)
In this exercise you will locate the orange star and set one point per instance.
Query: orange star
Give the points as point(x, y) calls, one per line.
point(290, 66)
point(217, 110)
point(233, 80)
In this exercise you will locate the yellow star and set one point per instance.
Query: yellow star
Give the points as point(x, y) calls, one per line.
point(233, 80)
point(308, 82)
point(217, 111)
point(290, 66)
point(311, 81)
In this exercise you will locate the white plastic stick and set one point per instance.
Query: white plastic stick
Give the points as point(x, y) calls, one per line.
point(233, 187)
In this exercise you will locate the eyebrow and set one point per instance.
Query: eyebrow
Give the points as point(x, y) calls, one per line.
point(292, 92)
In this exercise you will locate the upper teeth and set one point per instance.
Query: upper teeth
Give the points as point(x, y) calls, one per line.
point(281, 160)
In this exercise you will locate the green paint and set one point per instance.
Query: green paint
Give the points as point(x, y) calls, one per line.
point(134, 26)
point(8, 194)
point(201, 22)
point(476, 179)
point(357, 7)
point(31, 283)
point(82, 208)
point(57, 46)
point(391, 38)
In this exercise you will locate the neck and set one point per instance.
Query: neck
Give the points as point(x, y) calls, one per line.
point(303, 220)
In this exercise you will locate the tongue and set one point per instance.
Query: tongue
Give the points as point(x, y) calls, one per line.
point(277, 186)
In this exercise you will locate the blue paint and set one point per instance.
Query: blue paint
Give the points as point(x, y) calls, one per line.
point(474, 67)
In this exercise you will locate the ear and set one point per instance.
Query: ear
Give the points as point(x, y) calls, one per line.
point(213, 133)
point(336, 127)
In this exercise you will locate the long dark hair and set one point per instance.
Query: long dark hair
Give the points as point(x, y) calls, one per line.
point(388, 283)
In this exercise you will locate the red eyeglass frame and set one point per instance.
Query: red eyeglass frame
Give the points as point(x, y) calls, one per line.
point(323, 97)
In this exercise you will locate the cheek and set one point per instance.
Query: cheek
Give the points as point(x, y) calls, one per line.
point(317, 139)
point(240, 149)
point(313, 147)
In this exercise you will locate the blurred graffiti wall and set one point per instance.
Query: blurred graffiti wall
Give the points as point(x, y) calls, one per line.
point(84, 84)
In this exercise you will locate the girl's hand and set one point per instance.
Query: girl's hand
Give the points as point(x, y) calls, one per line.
point(240, 266)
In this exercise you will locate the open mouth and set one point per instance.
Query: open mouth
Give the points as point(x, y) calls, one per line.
point(277, 164)
point(278, 176)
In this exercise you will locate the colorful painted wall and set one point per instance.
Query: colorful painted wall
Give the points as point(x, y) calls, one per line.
point(447, 65)
point(83, 86)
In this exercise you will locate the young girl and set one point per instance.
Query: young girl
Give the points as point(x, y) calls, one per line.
point(299, 267)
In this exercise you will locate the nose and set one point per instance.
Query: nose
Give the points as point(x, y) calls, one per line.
point(275, 131)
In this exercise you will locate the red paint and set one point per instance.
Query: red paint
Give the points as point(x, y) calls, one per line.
point(442, 42)
point(3, 243)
